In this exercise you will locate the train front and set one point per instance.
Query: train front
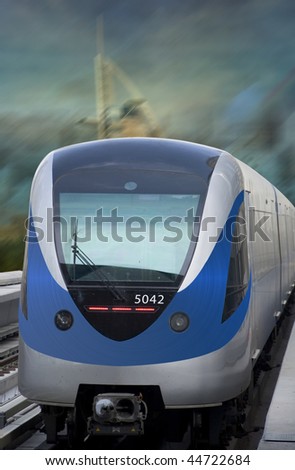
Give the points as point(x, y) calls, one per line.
point(127, 301)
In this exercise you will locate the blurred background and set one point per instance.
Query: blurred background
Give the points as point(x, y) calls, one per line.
point(217, 72)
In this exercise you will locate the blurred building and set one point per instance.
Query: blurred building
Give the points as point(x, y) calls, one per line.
point(258, 127)
point(133, 118)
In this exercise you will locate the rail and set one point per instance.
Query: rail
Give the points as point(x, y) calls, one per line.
point(17, 415)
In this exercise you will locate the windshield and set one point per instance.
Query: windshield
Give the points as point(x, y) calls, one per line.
point(142, 237)
point(119, 226)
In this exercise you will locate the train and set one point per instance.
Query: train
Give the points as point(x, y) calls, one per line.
point(155, 272)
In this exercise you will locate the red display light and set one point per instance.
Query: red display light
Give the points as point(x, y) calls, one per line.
point(94, 308)
point(122, 309)
point(103, 308)
point(145, 309)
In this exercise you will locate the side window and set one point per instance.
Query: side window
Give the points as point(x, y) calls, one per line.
point(238, 271)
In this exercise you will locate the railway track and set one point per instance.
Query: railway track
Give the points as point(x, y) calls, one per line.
point(18, 418)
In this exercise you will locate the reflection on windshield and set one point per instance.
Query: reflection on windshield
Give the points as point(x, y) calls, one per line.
point(134, 237)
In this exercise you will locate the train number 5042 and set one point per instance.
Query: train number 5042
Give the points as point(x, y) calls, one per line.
point(156, 299)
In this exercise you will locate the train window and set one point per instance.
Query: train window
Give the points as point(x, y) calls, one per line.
point(238, 272)
point(132, 236)
point(126, 227)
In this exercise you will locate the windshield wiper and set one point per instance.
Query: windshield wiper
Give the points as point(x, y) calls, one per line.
point(79, 254)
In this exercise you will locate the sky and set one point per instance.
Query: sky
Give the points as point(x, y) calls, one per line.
point(178, 53)
point(210, 69)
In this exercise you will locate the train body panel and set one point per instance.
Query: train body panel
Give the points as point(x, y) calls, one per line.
point(271, 252)
point(225, 185)
point(41, 216)
point(201, 381)
point(286, 224)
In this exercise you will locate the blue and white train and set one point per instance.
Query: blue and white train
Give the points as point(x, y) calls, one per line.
point(155, 272)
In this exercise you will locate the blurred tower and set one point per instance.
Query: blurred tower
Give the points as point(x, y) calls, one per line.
point(134, 117)
point(103, 85)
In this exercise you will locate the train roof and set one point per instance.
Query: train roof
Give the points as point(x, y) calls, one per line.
point(142, 153)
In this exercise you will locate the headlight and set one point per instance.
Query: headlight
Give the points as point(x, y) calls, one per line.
point(179, 322)
point(63, 320)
